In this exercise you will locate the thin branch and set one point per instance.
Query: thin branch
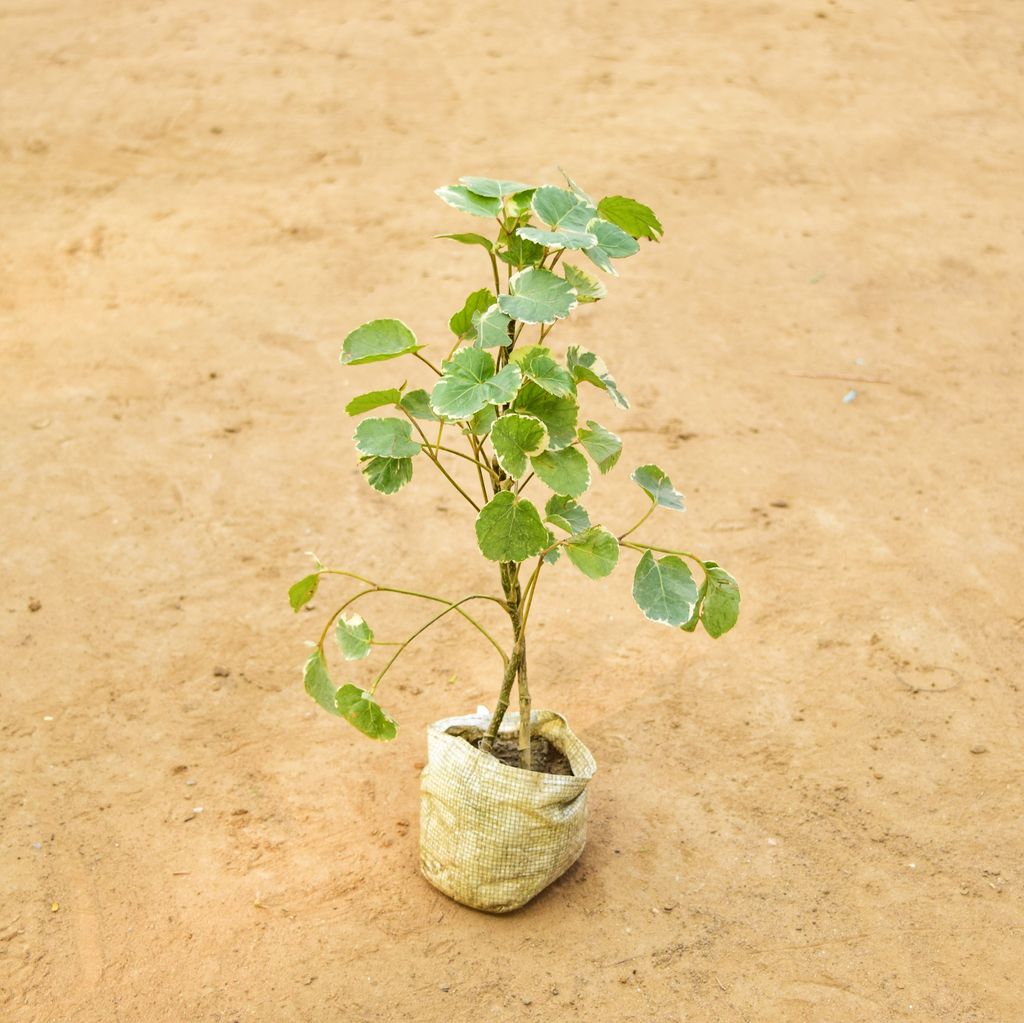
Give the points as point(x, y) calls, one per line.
point(427, 362)
point(637, 546)
point(419, 631)
point(428, 451)
point(643, 519)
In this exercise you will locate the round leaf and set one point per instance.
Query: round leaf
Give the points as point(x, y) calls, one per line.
point(588, 289)
point(561, 239)
point(496, 187)
point(554, 205)
point(557, 414)
point(492, 329)
point(376, 341)
point(469, 382)
point(373, 399)
point(515, 438)
point(658, 486)
point(462, 324)
point(509, 528)
point(521, 252)
point(359, 708)
point(565, 472)
point(603, 446)
point(588, 367)
point(595, 552)
point(461, 198)
point(537, 296)
point(389, 438)
point(354, 637)
point(633, 217)
point(301, 593)
point(318, 682)
point(565, 513)
point(664, 589)
point(417, 404)
point(468, 238)
point(721, 606)
point(537, 364)
point(387, 475)
point(612, 243)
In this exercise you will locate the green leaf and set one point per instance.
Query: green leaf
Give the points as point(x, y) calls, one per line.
point(588, 289)
point(468, 238)
point(390, 438)
point(515, 438)
point(461, 324)
point(557, 414)
point(612, 243)
point(376, 341)
point(565, 472)
point(492, 329)
point(664, 589)
point(658, 486)
point(537, 364)
point(301, 593)
point(721, 608)
point(469, 202)
point(587, 367)
point(359, 708)
point(373, 399)
point(562, 239)
point(555, 553)
point(521, 252)
point(520, 203)
point(318, 683)
point(509, 528)
point(633, 217)
point(496, 187)
point(556, 207)
point(603, 446)
point(417, 404)
point(469, 382)
point(354, 637)
point(537, 296)
point(690, 625)
point(595, 552)
point(576, 190)
point(387, 475)
point(480, 423)
point(565, 513)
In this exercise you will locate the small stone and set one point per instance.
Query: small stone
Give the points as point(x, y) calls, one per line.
point(780, 504)
point(445, 987)
point(191, 781)
point(34, 605)
point(527, 1001)
point(37, 845)
point(979, 748)
point(220, 672)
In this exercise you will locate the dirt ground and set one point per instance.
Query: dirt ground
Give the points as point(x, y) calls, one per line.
point(816, 818)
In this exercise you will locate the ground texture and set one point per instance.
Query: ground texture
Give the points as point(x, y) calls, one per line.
point(816, 818)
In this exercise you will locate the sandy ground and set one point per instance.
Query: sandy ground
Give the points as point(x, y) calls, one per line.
point(817, 818)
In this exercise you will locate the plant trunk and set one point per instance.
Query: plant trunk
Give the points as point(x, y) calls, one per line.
point(516, 670)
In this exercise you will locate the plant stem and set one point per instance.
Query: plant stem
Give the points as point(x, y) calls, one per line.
point(522, 485)
point(497, 280)
point(525, 758)
point(427, 362)
point(429, 452)
point(452, 605)
point(421, 629)
point(643, 519)
point(637, 546)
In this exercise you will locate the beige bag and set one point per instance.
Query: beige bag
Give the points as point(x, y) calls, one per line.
point(494, 836)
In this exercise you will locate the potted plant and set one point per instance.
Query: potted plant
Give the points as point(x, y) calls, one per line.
point(503, 808)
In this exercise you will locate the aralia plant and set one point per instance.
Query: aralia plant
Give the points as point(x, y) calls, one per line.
point(502, 413)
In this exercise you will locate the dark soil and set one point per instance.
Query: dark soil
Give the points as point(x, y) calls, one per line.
point(546, 758)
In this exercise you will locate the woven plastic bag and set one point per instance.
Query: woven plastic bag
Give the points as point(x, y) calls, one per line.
point(494, 836)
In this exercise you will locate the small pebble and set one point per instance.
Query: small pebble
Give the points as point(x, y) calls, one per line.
point(445, 987)
point(197, 809)
point(220, 672)
point(34, 605)
point(37, 845)
point(191, 781)
point(47, 717)
point(979, 748)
